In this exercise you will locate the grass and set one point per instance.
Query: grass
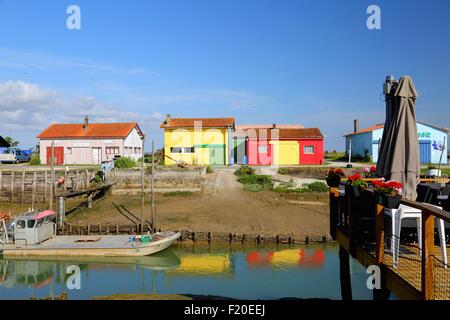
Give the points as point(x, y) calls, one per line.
point(209, 170)
point(124, 163)
point(178, 194)
point(445, 171)
point(253, 187)
point(244, 170)
point(283, 171)
point(315, 187)
point(334, 155)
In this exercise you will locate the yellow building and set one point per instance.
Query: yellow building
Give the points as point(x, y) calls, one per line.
point(197, 141)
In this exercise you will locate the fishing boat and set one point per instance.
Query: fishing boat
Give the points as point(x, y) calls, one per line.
point(34, 234)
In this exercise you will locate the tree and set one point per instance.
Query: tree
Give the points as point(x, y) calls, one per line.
point(12, 142)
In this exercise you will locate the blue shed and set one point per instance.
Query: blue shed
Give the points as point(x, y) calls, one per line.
point(366, 142)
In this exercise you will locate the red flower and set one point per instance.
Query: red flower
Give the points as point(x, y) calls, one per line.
point(355, 177)
point(373, 168)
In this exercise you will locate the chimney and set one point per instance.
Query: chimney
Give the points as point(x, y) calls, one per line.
point(274, 126)
point(356, 125)
point(86, 124)
point(167, 121)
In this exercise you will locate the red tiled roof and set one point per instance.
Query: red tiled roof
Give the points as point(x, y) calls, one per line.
point(370, 129)
point(288, 134)
point(94, 130)
point(205, 122)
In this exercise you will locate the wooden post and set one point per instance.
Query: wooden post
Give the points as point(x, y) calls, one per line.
point(22, 188)
point(344, 272)
point(153, 214)
point(334, 211)
point(52, 178)
point(33, 193)
point(87, 178)
point(45, 188)
point(142, 185)
point(12, 186)
point(352, 224)
point(379, 233)
point(1, 182)
point(77, 180)
point(427, 256)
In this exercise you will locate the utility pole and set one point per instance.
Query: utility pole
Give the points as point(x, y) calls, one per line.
point(142, 185)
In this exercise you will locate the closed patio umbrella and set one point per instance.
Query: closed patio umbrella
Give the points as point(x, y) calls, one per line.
point(399, 153)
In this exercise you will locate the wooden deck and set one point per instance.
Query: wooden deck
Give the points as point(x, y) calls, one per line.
point(418, 276)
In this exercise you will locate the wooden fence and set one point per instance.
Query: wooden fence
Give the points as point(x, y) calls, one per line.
point(27, 186)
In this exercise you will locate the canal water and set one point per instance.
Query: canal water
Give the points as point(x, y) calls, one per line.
point(241, 272)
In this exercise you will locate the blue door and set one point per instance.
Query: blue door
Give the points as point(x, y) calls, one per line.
point(425, 151)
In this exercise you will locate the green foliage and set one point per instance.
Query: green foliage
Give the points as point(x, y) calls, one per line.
point(262, 180)
point(98, 177)
point(35, 159)
point(432, 167)
point(317, 186)
point(209, 169)
point(124, 163)
point(283, 171)
point(12, 142)
point(244, 170)
point(178, 194)
point(253, 187)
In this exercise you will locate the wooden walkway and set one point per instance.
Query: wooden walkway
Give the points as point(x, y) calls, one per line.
point(417, 276)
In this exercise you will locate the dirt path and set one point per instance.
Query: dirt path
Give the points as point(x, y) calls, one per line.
point(222, 207)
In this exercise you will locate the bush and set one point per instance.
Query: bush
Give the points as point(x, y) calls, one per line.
point(35, 160)
point(209, 169)
point(256, 179)
point(253, 187)
point(283, 171)
point(318, 186)
point(244, 170)
point(124, 163)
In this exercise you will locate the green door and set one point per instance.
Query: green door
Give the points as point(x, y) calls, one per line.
point(217, 156)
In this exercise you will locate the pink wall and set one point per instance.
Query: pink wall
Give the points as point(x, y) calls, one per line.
point(256, 158)
point(82, 149)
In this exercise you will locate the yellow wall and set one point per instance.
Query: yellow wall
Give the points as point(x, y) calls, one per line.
point(188, 138)
point(285, 152)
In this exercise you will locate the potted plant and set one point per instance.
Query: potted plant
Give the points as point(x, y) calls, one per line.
point(388, 193)
point(355, 185)
point(334, 176)
point(433, 171)
point(370, 172)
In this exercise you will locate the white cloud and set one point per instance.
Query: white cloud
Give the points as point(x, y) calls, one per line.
point(28, 106)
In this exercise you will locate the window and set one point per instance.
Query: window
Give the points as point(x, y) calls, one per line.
point(21, 224)
point(176, 150)
point(182, 150)
point(30, 224)
point(262, 149)
point(69, 150)
point(308, 150)
point(112, 150)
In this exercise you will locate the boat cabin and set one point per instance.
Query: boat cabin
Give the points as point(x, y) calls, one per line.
point(32, 227)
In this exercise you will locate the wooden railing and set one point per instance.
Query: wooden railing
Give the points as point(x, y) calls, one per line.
point(429, 213)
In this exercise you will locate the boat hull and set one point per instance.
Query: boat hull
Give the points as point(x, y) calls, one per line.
point(68, 246)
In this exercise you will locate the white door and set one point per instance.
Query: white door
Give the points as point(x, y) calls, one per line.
point(96, 155)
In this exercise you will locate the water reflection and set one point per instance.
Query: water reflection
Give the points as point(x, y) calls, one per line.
point(266, 272)
point(290, 258)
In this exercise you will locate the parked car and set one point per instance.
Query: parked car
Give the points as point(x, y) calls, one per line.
point(12, 155)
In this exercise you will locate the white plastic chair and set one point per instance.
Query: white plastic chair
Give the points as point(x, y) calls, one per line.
point(404, 212)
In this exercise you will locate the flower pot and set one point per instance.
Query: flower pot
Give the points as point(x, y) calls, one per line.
point(389, 202)
point(354, 191)
point(434, 172)
point(334, 181)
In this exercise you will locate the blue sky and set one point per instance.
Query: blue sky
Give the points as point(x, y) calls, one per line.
point(261, 61)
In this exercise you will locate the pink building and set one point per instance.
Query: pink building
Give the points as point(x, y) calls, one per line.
point(90, 143)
